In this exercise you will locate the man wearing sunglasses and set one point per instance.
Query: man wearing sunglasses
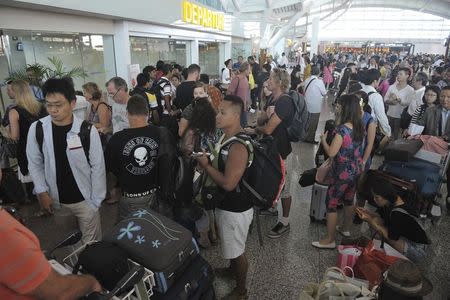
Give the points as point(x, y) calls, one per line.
point(118, 92)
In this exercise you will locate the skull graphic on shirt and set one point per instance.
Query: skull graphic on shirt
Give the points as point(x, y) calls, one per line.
point(141, 156)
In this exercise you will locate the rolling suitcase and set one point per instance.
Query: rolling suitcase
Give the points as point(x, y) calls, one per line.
point(196, 283)
point(157, 243)
point(318, 209)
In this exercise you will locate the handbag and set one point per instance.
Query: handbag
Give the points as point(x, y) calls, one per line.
point(308, 177)
point(323, 175)
point(372, 264)
point(347, 256)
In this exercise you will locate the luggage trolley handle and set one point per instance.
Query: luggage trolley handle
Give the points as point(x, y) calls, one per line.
point(130, 279)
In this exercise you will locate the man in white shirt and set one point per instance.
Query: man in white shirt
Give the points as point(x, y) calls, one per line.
point(371, 81)
point(398, 97)
point(416, 99)
point(118, 92)
point(314, 92)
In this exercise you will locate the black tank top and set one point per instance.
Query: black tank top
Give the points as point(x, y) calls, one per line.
point(237, 200)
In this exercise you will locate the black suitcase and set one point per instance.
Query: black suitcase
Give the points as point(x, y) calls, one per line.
point(402, 150)
point(157, 243)
point(196, 283)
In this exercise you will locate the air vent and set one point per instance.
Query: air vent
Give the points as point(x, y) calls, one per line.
point(288, 8)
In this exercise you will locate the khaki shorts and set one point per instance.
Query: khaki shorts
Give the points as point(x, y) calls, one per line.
point(233, 230)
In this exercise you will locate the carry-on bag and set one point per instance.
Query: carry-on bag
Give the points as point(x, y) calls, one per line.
point(318, 209)
point(196, 283)
point(157, 243)
point(402, 150)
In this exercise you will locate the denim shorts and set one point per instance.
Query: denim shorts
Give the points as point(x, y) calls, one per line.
point(416, 252)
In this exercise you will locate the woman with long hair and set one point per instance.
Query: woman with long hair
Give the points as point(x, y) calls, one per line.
point(346, 152)
point(26, 110)
point(199, 136)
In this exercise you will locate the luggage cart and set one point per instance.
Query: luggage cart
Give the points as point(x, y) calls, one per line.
point(439, 160)
point(143, 290)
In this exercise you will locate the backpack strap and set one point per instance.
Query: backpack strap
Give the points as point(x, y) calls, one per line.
point(85, 137)
point(84, 134)
point(39, 134)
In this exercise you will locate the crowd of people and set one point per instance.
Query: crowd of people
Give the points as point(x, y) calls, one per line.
point(123, 146)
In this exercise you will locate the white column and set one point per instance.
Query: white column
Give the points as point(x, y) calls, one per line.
point(194, 52)
point(315, 35)
point(122, 49)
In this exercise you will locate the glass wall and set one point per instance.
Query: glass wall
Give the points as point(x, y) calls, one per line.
point(93, 53)
point(147, 51)
point(209, 58)
point(241, 47)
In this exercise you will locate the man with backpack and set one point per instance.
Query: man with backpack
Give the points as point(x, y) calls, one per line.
point(65, 160)
point(280, 115)
point(234, 212)
point(143, 88)
point(371, 81)
point(314, 92)
point(185, 91)
point(135, 156)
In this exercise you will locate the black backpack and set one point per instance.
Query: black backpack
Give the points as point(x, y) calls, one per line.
point(107, 262)
point(263, 159)
point(264, 177)
point(299, 127)
point(84, 134)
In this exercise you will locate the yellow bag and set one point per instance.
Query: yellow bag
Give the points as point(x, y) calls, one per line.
point(251, 81)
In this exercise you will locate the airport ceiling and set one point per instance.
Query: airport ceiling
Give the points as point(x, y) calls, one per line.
point(274, 11)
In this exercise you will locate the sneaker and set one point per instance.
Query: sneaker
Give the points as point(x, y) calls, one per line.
point(268, 212)
point(344, 233)
point(235, 295)
point(278, 230)
point(252, 111)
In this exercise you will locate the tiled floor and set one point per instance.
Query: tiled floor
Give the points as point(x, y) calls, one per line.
point(281, 268)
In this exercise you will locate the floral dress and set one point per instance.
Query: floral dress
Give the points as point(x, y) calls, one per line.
point(345, 170)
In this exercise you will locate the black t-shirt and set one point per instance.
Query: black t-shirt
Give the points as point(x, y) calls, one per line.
point(285, 110)
point(185, 94)
point(404, 225)
point(132, 156)
point(68, 190)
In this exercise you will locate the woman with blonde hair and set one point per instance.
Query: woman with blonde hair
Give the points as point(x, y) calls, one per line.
point(99, 113)
point(25, 111)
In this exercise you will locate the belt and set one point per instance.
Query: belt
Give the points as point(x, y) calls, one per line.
point(141, 194)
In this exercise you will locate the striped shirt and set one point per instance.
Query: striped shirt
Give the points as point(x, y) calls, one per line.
point(23, 266)
point(419, 114)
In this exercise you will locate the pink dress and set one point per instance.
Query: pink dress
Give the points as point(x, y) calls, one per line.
point(327, 77)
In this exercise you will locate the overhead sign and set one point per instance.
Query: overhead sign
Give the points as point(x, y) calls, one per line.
point(200, 15)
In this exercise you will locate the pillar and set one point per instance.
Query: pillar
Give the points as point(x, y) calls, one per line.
point(315, 36)
point(122, 49)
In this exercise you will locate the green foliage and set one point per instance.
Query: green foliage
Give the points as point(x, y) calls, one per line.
point(38, 73)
